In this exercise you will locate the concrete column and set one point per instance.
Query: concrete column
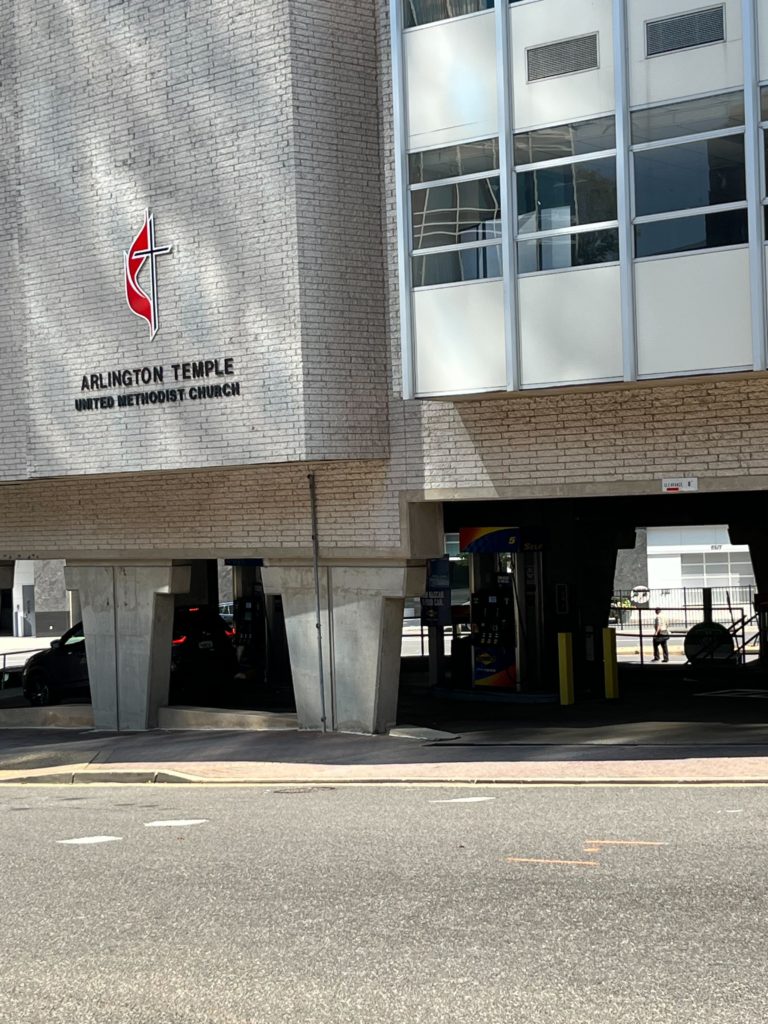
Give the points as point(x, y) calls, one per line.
point(128, 624)
point(362, 619)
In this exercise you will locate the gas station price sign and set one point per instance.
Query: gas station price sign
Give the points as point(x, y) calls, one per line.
point(436, 602)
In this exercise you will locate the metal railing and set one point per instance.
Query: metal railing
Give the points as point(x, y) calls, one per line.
point(684, 605)
point(11, 664)
point(739, 622)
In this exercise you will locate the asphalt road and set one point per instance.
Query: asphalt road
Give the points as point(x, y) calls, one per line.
point(383, 905)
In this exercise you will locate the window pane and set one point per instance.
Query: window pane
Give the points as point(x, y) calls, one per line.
point(454, 161)
point(705, 115)
point(697, 561)
point(565, 140)
point(690, 175)
point(706, 231)
point(568, 196)
point(563, 251)
point(764, 103)
point(421, 12)
point(460, 265)
point(468, 211)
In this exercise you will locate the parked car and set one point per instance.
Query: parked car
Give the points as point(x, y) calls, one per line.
point(201, 650)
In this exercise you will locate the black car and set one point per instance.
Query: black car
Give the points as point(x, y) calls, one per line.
point(202, 652)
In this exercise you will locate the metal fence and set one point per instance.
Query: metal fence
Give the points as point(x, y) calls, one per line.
point(683, 607)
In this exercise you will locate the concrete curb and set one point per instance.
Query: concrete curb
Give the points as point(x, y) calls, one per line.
point(163, 777)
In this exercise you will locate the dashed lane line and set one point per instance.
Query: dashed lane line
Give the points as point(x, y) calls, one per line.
point(464, 800)
point(544, 860)
point(175, 823)
point(89, 840)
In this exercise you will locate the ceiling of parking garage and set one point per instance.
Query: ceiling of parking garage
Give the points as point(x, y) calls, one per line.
point(689, 509)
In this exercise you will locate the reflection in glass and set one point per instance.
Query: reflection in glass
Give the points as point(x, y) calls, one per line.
point(764, 103)
point(454, 161)
point(709, 114)
point(565, 140)
point(689, 175)
point(685, 234)
point(422, 12)
point(566, 196)
point(459, 265)
point(468, 211)
point(559, 252)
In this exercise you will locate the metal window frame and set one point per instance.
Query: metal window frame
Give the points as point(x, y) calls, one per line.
point(574, 229)
point(754, 182)
point(506, 108)
point(432, 250)
point(624, 190)
point(420, 186)
point(694, 211)
point(685, 140)
point(402, 199)
point(562, 161)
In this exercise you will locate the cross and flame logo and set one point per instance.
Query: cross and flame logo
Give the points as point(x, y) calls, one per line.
point(144, 248)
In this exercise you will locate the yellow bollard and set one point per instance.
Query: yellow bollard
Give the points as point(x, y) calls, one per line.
point(565, 651)
point(611, 664)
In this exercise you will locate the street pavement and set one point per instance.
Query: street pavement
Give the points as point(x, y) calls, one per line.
point(399, 905)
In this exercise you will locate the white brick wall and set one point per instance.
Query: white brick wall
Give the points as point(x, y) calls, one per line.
point(209, 114)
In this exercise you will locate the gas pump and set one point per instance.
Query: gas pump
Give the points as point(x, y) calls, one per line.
point(493, 636)
point(262, 645)
point(249, 611)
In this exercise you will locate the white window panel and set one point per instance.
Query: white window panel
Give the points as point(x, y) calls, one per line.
point(451, 82)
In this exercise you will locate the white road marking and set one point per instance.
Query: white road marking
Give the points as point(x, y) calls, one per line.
point(90, 839)
point(464, 800)
point(175, 823)
point(738, 810)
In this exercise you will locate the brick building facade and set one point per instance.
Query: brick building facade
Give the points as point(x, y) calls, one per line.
point(261, 136)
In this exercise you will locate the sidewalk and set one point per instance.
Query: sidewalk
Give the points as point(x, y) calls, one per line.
point(654, 753)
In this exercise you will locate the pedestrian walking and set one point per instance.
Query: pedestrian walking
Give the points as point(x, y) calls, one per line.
point(660, 635)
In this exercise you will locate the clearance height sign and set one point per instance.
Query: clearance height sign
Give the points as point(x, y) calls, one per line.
point(176, 383)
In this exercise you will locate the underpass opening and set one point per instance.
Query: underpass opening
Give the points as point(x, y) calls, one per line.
point(234, 654)
point(541, 570)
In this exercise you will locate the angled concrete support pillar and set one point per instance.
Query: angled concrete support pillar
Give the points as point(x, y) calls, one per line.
point(362, 621)
point(128, 623)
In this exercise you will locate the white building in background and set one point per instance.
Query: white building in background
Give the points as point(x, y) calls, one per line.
point(697, 556)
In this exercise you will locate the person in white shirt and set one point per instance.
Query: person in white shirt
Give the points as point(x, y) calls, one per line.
point(660, 635)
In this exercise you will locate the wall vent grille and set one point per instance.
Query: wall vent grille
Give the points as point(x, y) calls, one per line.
point(563, 58)
point(696, 28)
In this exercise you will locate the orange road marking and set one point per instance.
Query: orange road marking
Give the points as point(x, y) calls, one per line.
point(591, 849)
point(541, 860)
point(624, 842)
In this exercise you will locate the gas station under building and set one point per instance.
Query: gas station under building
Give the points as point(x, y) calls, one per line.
point(532, 631)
